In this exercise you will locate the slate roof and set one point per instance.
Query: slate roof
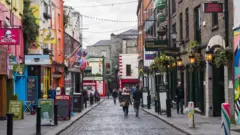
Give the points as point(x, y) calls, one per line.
point(130, 32)
point(103, 42)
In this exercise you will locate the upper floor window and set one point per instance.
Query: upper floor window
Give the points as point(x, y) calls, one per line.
point(173, 6)
point(128, 70)
point(214, 19)
point(45, 7)
point(197, 24)
point(181, 25)
point(187, 22)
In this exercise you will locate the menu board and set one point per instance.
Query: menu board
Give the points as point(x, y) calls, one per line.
point(46, 111)
point(63, 103)
point(16, 107)
point(32, 88)
point(3, 61)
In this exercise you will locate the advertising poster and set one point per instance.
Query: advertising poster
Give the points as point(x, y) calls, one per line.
point(46, 111)
point(16, 107)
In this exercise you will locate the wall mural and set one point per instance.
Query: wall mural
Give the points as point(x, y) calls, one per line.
point(237, 60)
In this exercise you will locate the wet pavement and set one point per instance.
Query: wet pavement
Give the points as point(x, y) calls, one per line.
point(109, 119)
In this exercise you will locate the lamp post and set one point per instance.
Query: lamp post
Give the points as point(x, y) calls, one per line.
point(191, 61)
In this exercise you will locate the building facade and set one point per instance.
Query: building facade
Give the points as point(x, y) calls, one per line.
point(10, 17)
point(128, 70)
point(236, 30)
point(205, 83)
point(101, 48)
point(72, 51)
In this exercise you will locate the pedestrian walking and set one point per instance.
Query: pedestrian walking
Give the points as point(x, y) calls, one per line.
point(125, 101)
point(137, 96)
point(114, 95)
point(85, 97)
point(180, 96)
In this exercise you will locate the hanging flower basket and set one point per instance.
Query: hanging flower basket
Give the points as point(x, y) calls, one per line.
point(145, 69)
point(222, 56)
point(163, 61)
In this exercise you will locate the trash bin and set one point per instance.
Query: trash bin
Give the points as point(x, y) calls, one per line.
point(77, 102)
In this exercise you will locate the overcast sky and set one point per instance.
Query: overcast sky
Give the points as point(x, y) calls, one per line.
point(125, 12)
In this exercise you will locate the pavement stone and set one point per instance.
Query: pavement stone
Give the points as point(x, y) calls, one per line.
point(27, 126)
point(109, 119)
point(203, 125)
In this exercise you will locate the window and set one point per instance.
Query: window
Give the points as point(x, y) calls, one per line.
point(45, 7)
point(187, 23)
point(181, 26)
point(173, 6)
point(128, 69)
point(174, 40)
point(20, 7)
point(197, 24)
point(214, 19)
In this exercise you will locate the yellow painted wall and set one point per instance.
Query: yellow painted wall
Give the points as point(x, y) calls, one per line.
point(17, 6)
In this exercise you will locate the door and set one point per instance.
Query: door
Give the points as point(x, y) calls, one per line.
point(218, 89)
point(199, 90)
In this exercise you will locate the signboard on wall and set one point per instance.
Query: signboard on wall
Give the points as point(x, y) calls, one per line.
point(9, 36)
point(156, 45)
point(37, 60)
point(3, 61)
point(213, 7)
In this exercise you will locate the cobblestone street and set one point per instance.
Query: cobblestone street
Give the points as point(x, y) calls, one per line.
point(108, 119)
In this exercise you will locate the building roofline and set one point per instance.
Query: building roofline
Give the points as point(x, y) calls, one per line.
point(139, 5)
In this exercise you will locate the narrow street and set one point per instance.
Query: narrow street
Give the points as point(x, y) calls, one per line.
point(108, 119)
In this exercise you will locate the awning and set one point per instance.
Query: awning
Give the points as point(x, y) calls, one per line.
point(129, 80)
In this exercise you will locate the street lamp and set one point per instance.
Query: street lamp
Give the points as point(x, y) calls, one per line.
point(174, 37)
point(179, 62)
point(209, 55)
point(191, 58)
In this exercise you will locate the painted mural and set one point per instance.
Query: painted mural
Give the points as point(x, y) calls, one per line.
point(237, 60)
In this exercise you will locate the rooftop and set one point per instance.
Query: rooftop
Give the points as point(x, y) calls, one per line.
point(129, 32)
point(103, 42)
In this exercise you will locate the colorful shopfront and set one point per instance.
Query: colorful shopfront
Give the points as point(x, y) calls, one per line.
point(237, 60)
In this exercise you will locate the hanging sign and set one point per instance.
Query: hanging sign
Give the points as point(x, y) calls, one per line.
point(156, 45)
point(9, 36)
point(213, 7)
point(49, 36)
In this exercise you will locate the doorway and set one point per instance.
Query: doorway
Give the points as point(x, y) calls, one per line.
point(218, 89)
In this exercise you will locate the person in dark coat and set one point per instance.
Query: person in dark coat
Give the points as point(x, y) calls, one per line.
point(85, 97)
point(114, 94)
point(125, 101)
point(180, 96)
point(137, 96)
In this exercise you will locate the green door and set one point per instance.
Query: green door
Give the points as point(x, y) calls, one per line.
point(199, 89)
point(218, 89)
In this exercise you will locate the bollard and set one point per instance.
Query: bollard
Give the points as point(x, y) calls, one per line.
point(56, 115)
point(38, 122)
point(225, 124)
point(191, 123)
point(168, 104)
point(10, 123)
point(155, 103)
point(149, 101)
